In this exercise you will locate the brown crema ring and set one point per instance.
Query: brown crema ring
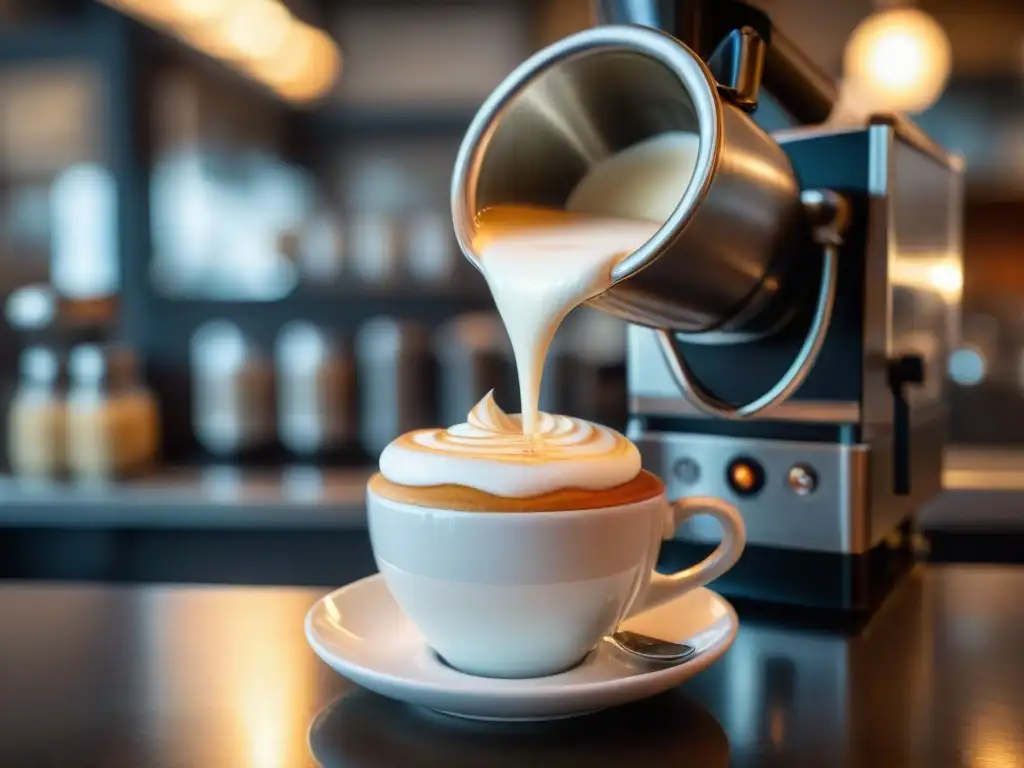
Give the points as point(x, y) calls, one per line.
point(462, 498)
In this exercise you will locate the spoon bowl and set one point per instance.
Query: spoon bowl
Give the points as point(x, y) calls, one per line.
point(651, 649)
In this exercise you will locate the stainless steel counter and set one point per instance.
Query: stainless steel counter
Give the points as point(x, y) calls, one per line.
point(174, 675)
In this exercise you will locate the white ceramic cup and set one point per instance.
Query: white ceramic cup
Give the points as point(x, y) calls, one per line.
point(529, 594)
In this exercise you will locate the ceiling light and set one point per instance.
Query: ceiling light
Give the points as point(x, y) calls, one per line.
point(260, 38)
point(897, 61)
point(256, 29)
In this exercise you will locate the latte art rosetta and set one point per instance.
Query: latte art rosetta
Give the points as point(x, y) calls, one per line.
point(489, 452)
point(491, 432)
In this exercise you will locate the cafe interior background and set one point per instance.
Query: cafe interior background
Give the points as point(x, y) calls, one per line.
point(225, 235)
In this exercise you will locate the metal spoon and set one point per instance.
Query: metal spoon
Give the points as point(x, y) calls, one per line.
point(651, 649)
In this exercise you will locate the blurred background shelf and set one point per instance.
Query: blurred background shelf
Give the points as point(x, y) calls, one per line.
point(300, 498)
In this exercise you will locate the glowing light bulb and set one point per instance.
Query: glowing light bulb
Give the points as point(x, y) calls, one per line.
point(260, 38)
point(146, 10)
point(198, 11)
point(897, 60)
point(256, 29)
point(948, 279)
point(323, 66)
point(743, 477)
point(305, 67)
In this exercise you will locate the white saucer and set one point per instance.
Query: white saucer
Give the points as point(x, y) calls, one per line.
point(360, 632)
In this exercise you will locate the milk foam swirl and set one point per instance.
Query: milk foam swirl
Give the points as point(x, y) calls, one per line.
point(490, 453)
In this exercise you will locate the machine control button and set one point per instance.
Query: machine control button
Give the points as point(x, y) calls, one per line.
point(745, 476)
point(686, 471)
point(802, 479)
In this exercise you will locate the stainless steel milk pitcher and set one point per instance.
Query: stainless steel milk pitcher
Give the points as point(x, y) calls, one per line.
point(720, 261)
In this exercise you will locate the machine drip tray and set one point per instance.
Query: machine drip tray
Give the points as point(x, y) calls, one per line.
point(798, 579)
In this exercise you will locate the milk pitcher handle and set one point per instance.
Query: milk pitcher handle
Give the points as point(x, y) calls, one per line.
point(827, 211)
point(664, 588)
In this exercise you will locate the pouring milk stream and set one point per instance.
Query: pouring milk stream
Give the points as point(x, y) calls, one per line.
point(541, 263)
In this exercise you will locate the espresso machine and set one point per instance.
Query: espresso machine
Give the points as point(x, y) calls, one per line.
point(790, 322)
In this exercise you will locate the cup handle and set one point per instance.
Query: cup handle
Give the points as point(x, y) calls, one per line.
point(663, 588)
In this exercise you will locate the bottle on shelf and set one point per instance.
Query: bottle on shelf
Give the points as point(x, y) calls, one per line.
point(84, 267)
point(395, 381)
point(315, 388)
point(431, 250)
point(321, 248)
point(37, 416)
point(232, 391)
point(112, 418)
point(375, 249)
point(474, 357)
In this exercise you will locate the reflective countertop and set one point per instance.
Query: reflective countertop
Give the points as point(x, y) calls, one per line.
point(156, 675)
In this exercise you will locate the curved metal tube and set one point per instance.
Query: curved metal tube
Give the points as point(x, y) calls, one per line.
point(819, 204)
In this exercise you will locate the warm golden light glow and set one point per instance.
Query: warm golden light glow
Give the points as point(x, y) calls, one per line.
point(206, 38)
point(290, 63)
point(322, 69)
point(198, 11)
point(743, 477)
point(259, 37)
point(947, 279)
point(308, 66)
point(239, 654)
point(993, 737)
point(897, 60)
point(936, 273)
point(145, 10)
point(256, 29)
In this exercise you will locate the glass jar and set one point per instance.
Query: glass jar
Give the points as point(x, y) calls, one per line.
point(112, 418)
point(37, 416)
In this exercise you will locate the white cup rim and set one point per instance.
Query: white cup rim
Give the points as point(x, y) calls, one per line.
point(538, 516)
